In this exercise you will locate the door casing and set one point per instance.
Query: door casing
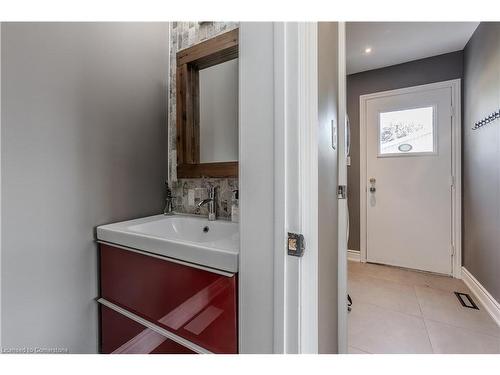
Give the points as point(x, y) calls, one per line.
point(295, 186)
point(343, 213)
point(456, 165)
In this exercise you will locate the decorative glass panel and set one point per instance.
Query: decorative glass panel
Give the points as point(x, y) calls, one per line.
point(407, 131)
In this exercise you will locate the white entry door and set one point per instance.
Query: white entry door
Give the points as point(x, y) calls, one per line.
point(409, 178)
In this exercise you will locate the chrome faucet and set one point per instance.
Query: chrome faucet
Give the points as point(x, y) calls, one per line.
point(169, 205)
point(212, 205)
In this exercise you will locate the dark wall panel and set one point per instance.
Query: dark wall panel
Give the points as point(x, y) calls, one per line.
point(481, 158)
point(419, 72)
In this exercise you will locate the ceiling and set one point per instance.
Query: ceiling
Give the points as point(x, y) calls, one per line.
point(398, 42)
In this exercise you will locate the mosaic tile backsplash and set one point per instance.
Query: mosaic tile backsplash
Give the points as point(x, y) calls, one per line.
point(224, 195)
point(183, 35)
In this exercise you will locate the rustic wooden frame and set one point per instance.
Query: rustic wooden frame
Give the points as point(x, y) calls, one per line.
point(190, 61)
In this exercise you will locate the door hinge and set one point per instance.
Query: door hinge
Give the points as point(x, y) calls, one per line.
point(452, 181)
point(452, 109)
point(342, 192)
point(452, 250)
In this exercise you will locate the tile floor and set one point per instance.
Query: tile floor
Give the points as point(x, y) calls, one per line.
point(402, 311)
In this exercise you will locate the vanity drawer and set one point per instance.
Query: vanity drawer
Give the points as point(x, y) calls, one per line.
point(192, 303)
point(121, 335)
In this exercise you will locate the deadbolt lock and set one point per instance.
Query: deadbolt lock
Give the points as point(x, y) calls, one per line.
point(372, 185)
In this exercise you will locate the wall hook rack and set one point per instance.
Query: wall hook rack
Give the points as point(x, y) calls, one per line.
point(490, 118)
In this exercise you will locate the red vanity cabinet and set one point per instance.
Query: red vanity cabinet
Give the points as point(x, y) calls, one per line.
point(121, 335)
point(196, 304)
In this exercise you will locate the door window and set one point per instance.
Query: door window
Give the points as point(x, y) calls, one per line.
point(407, 131)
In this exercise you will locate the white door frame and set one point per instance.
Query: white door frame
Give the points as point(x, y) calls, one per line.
point(456, 165)
point(307, 111)
point(295, 186)
point(280, 164)
point(296, 208)
point(342, 206)
point(282, 303)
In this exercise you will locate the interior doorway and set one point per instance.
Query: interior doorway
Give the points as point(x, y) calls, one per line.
point(404, 190)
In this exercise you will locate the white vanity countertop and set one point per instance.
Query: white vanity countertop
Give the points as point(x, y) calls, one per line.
point(185, 238)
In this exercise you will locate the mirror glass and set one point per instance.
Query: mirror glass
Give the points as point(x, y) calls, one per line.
point(218, 90)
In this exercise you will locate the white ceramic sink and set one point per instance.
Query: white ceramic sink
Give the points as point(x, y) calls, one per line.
point(213, 244)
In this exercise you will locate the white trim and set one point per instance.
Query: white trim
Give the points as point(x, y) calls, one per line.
point(162, 331)
point(294, 112)
point(280, 314)
point(1, 131)
point(485, 298)
point(308, 175)
point(343, 226)
point(353, 255)
point(456, 167)
point(362, 179)
point(456, 162)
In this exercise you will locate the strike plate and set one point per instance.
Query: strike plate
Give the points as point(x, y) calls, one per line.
point(295, 244)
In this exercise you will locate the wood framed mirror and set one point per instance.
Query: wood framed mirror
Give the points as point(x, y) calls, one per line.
point(207, 108)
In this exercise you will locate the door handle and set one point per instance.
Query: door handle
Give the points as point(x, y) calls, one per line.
point(373, 189)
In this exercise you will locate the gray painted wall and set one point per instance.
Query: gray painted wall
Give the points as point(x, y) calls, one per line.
point(481, 158)
point(83, 143)
point(327, 183)
point(256, 172)
point(0, 186)
point(419, 72)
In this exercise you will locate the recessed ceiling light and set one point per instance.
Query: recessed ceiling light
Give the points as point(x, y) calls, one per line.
point(368, 49)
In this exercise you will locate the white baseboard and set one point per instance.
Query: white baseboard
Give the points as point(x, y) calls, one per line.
point(354, 255)
point(487, 300)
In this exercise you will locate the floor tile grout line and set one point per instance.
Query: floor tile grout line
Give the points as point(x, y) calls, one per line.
point(418, 301)
point(401, 313)
point(425, 323)
point(355, 347)
point(496, 338)
point(434, 284)
point(387, 279)
point(404, 270)
point(412, 286)
point(393, 311)
point(473, 330)
point(453, 325)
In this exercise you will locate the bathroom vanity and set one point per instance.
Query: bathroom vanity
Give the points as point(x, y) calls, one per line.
point(168, 284)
